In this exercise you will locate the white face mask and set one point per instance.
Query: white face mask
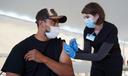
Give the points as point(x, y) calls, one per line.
point(53, 33)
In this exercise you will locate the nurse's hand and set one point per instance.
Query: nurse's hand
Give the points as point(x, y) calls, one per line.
point(69, 50)
point(73, 44)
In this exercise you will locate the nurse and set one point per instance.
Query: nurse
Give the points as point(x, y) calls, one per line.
point(102, 36)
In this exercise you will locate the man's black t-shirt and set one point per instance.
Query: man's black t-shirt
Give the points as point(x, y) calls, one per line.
point(16, 63)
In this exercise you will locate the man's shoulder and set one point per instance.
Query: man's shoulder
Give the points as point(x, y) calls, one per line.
point(60, 39)
point(24, 42)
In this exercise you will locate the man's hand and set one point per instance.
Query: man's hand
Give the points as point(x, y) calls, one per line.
point(35, 55)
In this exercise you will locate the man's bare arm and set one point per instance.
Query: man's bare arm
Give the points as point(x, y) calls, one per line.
point(62, 68)
point(11, 74)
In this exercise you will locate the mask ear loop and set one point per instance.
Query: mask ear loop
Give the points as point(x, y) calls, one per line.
point(48, 29)
point(1, 73)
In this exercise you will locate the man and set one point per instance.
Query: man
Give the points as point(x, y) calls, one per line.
point(42, 53)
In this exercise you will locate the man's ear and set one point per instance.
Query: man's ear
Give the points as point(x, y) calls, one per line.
point(41, 23)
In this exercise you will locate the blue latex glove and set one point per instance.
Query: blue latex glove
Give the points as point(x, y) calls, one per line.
point(70, 51)
point(73, 44)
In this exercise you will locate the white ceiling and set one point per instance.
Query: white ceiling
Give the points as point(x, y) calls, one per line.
point(116, 11)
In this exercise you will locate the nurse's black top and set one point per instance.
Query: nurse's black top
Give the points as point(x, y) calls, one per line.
point(16, 63)
point(106, 45)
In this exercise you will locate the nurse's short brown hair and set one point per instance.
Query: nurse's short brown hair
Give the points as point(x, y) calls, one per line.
point(93, 9)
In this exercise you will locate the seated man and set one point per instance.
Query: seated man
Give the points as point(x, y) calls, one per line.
point(42, 53)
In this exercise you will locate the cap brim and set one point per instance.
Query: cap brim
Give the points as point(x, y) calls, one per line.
point(61, 19)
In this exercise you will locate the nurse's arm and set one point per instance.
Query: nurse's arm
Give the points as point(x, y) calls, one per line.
point(102, 53)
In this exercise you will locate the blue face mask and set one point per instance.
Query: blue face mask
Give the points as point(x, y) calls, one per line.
point(89, 23)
